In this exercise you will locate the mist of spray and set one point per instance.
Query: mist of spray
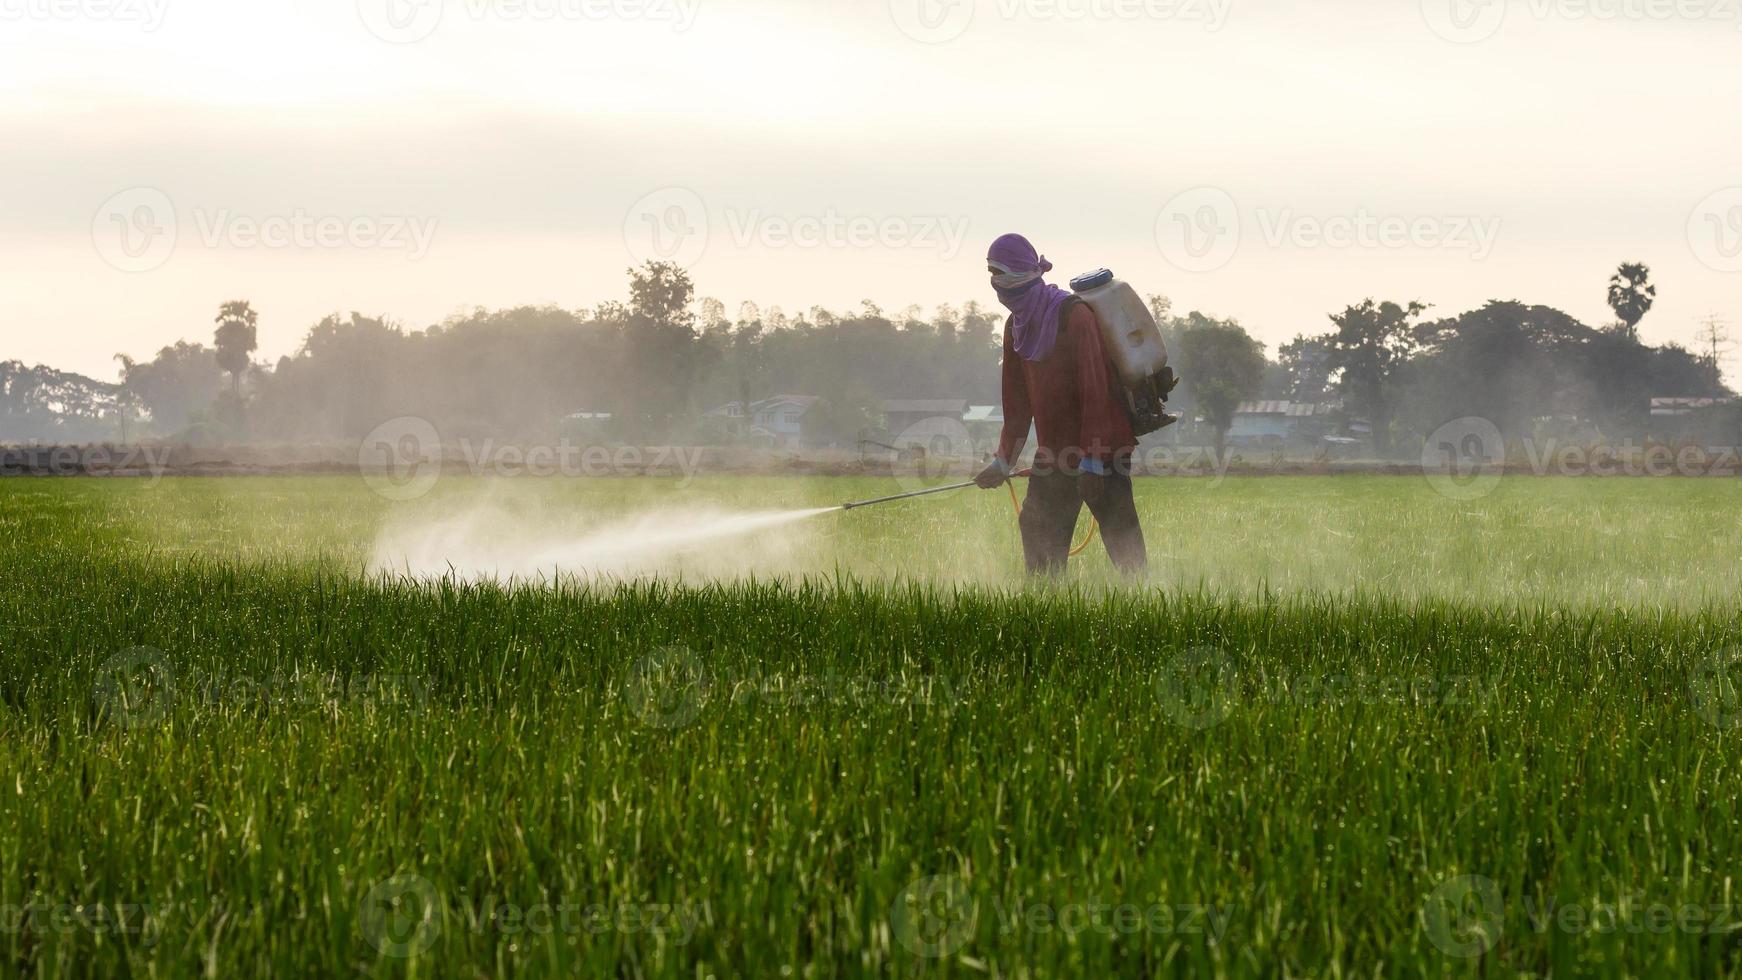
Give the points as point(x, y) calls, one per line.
point(488, 542)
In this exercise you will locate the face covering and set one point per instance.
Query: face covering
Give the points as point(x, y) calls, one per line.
point(1033, 303)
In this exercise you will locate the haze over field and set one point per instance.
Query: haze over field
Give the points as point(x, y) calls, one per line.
point(799, 153)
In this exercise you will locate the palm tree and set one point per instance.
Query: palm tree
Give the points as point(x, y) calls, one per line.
point(1631, 295)
point(236, 339)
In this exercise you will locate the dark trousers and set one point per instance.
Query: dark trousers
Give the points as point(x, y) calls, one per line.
point(1049, 522)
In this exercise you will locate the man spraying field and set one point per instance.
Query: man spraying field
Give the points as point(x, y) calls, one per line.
point(1056, 376)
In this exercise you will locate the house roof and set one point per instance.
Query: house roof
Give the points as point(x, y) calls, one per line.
point(1292, 409)
point(805, 402)
point(983, 413)
point(1683, 406)
point(935, 406)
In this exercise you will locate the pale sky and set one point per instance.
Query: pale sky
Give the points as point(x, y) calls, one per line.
point(1268, 160)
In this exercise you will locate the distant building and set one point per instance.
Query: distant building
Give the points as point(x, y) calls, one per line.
point(1683, 406)
point(909, 416)
point(586, 425)
point(1279, 423)
point(984, 413)
point(778, 421)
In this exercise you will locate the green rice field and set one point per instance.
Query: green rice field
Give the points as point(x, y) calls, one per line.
point(1347, 727)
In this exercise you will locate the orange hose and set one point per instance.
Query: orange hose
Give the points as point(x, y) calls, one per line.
point(1093, 524)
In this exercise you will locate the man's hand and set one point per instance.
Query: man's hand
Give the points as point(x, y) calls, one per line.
point(995, 475)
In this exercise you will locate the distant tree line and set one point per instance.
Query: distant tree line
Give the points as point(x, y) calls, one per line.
point(659, 361)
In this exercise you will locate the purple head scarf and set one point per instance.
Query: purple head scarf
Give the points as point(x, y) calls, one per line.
point(1034, 304)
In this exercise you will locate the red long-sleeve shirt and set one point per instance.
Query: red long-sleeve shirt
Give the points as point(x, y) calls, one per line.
point(1069, 396)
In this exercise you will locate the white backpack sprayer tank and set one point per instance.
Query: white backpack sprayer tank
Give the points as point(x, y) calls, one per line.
point(1134, 347)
